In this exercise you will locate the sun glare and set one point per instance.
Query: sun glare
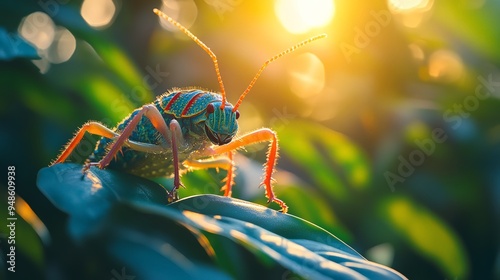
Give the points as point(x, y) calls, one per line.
point(410, 12)
point(300, 16)
point(97, 13)
point(445, 65)
point(185, 12)
point(306, 75)
point(402, 6)
point(54, 44)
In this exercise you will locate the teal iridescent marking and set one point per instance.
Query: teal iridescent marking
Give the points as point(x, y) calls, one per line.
point(178, 106)
point(222, 121)
point(202, 103)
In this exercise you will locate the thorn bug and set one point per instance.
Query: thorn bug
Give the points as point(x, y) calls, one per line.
point(182, 129)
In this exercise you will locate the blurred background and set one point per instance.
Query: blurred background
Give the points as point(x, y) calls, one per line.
point(389, 128)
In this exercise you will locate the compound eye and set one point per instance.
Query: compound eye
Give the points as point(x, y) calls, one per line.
point(210, 108)
point(237, 114)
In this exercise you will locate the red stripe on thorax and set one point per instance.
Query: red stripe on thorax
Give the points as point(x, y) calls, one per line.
point(171, 102)
point(190, 103)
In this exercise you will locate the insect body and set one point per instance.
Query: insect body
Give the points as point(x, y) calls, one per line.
point(201, 125)
point(190, 126)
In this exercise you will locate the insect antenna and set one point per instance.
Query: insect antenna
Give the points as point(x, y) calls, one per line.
point(287, 51)
point(202, 45)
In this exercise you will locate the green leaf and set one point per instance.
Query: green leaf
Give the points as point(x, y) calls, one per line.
point(152, 244)
point(332, 161)
point(13, 46)
point(285, 225)
point(91, 194)
point(427, 234)
point(126, 217)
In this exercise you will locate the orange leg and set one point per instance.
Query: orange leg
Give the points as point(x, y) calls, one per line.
point(225, 163)
point(172, 134)
point(90, 127)
point(156, 119)
point(227, 188)
point(175, 128)
point(260, 135)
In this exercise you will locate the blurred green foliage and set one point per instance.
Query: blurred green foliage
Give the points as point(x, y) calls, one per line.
point(418, 105)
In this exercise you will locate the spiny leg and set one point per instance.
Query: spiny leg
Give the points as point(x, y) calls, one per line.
point(229, 180)
point(225, 163)
point(260, 135)
point(221, 162)
point(149, 111)
point(90, 127)
point(175, 138)
point(176, 134)
point(101, 130)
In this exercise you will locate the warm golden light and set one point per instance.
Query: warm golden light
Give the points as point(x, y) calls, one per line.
point(445, 65)
point(98, 13)
point(202, 221)
point(96, 182)
point(271, 238)
point(410, 12)
point(405, 6)
point(306, 75)
point(25, 211)
point(300, 16)
point(253, 117)
point(185, 12)
point(416, 52)
point(238, 235)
